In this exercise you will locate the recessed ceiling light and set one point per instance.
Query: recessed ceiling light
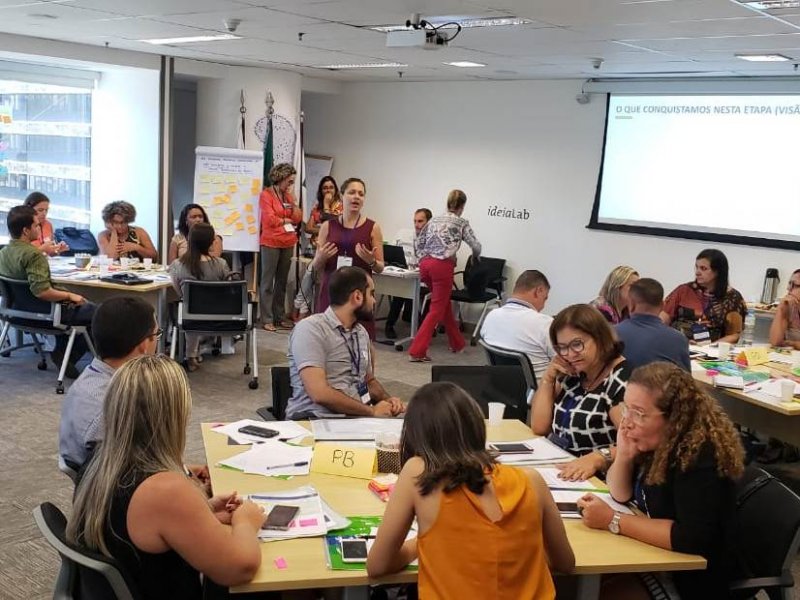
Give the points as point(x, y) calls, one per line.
point(772, 4)
point(192, 39)
point(464, 63)
point(763, 57)
point(386, 65)
point(463, 21)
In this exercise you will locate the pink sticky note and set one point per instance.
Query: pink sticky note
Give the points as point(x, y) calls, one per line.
point(308, 522)
point(280, 562)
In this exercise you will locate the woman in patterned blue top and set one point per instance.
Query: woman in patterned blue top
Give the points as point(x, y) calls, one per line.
point(578, 401)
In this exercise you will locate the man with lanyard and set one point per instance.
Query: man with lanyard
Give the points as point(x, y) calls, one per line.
point(330, 356)
point(520, 325)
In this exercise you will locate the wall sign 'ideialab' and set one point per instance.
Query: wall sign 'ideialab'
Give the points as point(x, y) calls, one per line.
point(501, 212)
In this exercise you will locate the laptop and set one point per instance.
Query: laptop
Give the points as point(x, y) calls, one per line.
point(394, 256)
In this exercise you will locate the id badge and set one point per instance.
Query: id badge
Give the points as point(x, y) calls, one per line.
point(363, 393)
point(562, 441)
point(288, 227)
point(700, 332)
point(344, 261)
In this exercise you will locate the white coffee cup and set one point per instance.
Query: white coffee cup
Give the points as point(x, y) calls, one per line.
point(148, 263)
point(795, 359)
point(724, 350)
point(787, 390)
point(124, 261)
point(496, 410)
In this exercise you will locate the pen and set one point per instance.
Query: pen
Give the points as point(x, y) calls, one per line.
point(297, 464)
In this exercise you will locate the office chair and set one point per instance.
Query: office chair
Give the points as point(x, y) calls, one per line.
point(218, 308)
point(483, 284)
point(765, 535)
point(491, 383)
point(23, 311)
point(84, 574)
point(503, 356)
point(281, 392)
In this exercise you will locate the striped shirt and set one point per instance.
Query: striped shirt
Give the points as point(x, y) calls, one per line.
point(442, 236)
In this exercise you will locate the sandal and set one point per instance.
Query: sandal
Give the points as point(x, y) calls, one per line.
point(269, 327)
point(419, 359)
point(285, 324)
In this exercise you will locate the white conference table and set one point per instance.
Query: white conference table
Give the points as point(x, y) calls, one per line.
point(596, 552)
point(401, 283)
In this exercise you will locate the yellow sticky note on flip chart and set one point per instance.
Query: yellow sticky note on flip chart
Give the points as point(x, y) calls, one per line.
point(248, 208)
point(251, 219)
point(231, 218)
point(239, 226)
point(347, 461)
point(252, 230)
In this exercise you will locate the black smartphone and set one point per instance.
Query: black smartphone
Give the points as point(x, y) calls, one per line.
point(511, 447)
point(280, 516)
point(258, 431)
point(354, 550)
point(567, 507)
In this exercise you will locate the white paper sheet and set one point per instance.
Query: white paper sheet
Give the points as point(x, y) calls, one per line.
point(287, 430)
point(779, 357)
point(773, 387)
point(551, 478)
point(310, 520)
point(354, 429)
point(272, 458)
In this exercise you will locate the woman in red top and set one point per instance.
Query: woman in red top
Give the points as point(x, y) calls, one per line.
point(279, 219)
point(41, 204)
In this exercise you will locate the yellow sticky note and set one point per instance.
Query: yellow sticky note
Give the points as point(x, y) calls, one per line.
point(204, 189)
point(239, 226)
point(230, 179)
point(226, 199)
point(756, 355)
point(244, 180)
point(216, 179)
point(256, 184)
point(251, 219)
point(248, 208)
point(219, 200)
point(232, 218)
point(347, 461)
point(252, 230)
point(233, 188)
point(227, 232)
point(205, 178)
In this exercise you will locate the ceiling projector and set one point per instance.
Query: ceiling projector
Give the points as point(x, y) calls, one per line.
point(416, 38)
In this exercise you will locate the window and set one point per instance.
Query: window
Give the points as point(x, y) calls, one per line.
point(45, 146)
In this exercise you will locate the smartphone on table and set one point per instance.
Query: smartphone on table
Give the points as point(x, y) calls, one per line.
point(353, 550)
point(511, 447)
point(257, 431)
point(280, 517)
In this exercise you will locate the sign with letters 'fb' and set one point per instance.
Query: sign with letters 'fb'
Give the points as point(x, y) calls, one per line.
point(347, 461)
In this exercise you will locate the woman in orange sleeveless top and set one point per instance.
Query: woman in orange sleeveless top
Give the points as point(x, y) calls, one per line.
point(485, 530)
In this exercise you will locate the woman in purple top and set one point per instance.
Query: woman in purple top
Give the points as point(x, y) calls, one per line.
point(352, 239)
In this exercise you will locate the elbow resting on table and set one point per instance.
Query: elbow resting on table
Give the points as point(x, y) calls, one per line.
point(241, 569)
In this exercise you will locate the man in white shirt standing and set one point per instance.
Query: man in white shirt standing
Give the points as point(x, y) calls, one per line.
point(520, 325)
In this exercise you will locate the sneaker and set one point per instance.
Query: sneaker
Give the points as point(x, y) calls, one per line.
point(391, 334)
point(419, 359)
point(71, 372)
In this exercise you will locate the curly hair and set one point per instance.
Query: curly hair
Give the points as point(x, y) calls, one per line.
point(693, 419)
point(280, 172)
point(444, 426)
point(126, 210)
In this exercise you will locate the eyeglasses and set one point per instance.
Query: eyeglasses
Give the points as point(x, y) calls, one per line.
point(791, 285)
point(577, 345)
point(157, 334)
point(636, 416)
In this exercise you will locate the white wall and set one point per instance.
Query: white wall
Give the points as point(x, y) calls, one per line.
point(125, 122)
point(519, 145)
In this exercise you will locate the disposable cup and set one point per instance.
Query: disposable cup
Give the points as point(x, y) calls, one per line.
point(724, 350)
point(496, 410)
point(148, 263)
point(795, 359)
point(787, 390)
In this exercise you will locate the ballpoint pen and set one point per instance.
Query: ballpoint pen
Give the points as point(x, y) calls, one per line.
point(297, 464)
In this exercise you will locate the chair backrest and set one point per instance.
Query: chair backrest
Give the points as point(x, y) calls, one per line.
point(79, 241)
point(84, 574)
point(281, 391)
point(486, 273)
point(215, 300)
point(17, 300)
point(503, 356)
point(766, 527)
point(486, 384)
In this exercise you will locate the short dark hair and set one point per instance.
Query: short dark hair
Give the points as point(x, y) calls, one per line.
point(444, 426)
point(351, 180)
point(183, 227)
point(590, 321)
point(529, 280)
point(719, 264)
point(426, 211)
point(120, 324)
point(647, 291)
point(19, 218)
point(344, 282)
point(35, 198)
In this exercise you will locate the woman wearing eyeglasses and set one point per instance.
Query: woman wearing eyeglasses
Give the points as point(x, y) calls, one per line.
point(785, 329)
point(578, 401)
point(678, 456)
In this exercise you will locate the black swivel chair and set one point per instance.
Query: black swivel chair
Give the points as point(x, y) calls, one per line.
point(503, 356)
point(84, 574)
point(281, 392)
point(483, 284)
point(217, 308)
point(486, 384)
point(766, 536)
point(23, 311)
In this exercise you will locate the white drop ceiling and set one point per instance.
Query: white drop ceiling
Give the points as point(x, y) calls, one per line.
point(635, 38)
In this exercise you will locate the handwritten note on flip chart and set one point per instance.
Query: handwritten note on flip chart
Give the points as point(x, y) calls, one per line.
point(755, 355)
point(343, 460)
point(229, 181)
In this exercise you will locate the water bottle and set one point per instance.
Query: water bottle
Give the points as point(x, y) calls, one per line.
point(749, 327)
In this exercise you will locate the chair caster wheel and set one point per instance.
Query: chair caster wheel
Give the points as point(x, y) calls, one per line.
point(5, 354)
point(60, 389)
point(253, 385)
point(473, 343)
point(440, 329)
point(215, 352)
point(398, 347)
point(246, 370)
point(461, 327)
point(42, 365)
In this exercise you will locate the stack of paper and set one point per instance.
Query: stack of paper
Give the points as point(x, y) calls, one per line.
point(354, 429)
point(780, 357)
point(272, 458)
point(543, 451)
point(729, 381)
point(287, 430)
point(310, 519)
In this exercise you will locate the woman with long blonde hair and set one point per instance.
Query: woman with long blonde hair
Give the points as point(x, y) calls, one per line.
point(678, 457)
point(612, 301)
point(136, 504)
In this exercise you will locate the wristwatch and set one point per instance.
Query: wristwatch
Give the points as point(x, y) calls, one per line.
point(613, 527)
point(606, 454)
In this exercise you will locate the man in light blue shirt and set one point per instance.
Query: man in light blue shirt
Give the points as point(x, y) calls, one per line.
point(647, 339)
point(122, 329)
